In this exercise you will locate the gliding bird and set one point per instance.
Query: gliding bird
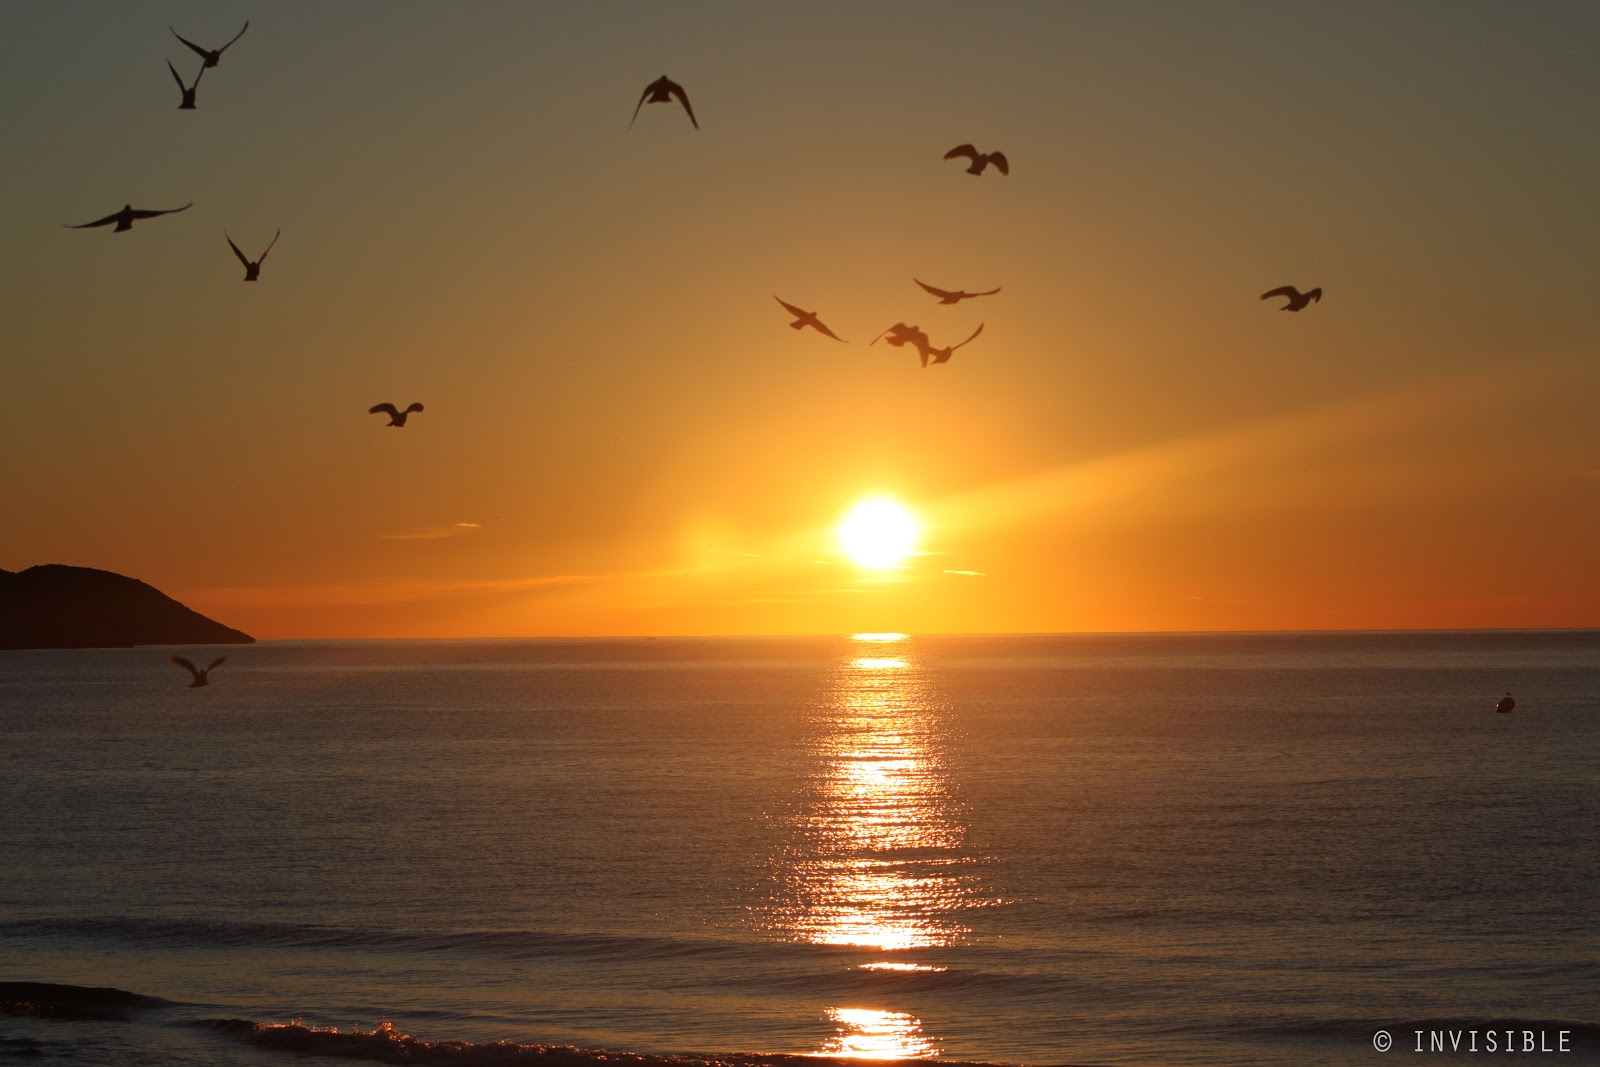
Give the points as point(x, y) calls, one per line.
point(124, 218)
point(955, 297)
point(396, 416)
point(199, 674)
point(187, 90)
point(1296, 298)
point(942, 355)
point(807, 318)
point(980, 160)
point(661, 91)
point(252, 271)
point(211, 58)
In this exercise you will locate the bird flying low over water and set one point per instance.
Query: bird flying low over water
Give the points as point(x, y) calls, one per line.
point(946, 297)
point(807, 318)
point(211, 58)
point(661, 91)
point(199, 673)
point(396, 416)
point(252, 271)
point(187, 90)
point(942, 355)
point(124, 218)
point(980, 160)
point(1296, 298)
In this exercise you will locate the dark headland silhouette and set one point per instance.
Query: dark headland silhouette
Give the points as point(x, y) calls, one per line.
point(56, 606)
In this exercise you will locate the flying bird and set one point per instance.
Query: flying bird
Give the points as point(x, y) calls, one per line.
point(1296, 298)
point(955, 297)
point(900, 334)
point(396, 417)
point(942, 355)
point(980, 160)
point(211, 58)
point(661, 91)
point(252, 271)
point(187, 90)
point(124, 218)
point(199, 674)
point(807, 318)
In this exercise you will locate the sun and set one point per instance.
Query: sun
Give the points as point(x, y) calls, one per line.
point(878, 533)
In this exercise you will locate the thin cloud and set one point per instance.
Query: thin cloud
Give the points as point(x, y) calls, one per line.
point(975, 574)
point(433, 533)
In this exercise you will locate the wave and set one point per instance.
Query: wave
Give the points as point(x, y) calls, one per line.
point(47, 1000)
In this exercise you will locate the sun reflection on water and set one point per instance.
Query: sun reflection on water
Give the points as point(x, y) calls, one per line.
point(868, 1034)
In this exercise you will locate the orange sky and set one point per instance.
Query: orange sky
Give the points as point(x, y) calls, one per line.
point(622, 436)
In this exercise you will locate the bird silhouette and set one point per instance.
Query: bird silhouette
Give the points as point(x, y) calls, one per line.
point(187, 90)
point(661, 91)
point(199, 674)
point(980, 160)
point(396, 416)
point(1296, 298)
point(946, 297)
point(807, 318)
point(252, 271)
point(211, 58)
point(942, 355)
point(900, 334)
point(124, 218)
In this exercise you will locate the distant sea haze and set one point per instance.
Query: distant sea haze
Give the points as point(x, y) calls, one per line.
point(1200, 849)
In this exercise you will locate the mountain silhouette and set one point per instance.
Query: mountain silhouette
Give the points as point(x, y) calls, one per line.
point(56, 606)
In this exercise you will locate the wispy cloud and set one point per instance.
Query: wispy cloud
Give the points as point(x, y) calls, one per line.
point(975, 574)
point(433, 533)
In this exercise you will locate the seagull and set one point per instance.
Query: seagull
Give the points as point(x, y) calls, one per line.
point(955, 297)
point(211, 58)
point(979, 159)
point(807, 318)
point(188, 90)
point(900, 334)
point(252, 271)
point(661, 91)
point(1296, 298)
point(942, 355)
point(124, 218)
point(199, 675)
point(396, 417)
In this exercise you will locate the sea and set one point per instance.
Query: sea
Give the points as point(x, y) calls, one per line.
point(1223, 849)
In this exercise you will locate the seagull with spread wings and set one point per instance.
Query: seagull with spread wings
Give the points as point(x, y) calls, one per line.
point(396, 416)
point(187, 90)
point(1296, 298)
point(124, 218)
point(942, 355)
point(252, 271)
point(805, 318)
point(198, 672)
point(980, 160)
point(661, 91)
point(212, 58)
point(946, 297)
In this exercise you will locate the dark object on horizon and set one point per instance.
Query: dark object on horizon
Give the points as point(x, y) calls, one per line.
point(980, 160)
point(396, 416)
point(211, 58)
point(124, 218)
point(1507, 702)
point(1296, 298)
point(199, 673)
point(661, 91)
point(187, 90)
point(56, 606)
point(807, 318)
point(946, 297)
point(252, 271)
point(942, 355)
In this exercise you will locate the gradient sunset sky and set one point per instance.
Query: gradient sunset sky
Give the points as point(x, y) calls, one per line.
point(622, 436)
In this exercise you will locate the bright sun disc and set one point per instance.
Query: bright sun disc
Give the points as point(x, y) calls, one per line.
point(878, 533)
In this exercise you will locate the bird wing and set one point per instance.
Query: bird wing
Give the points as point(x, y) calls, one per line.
point(940, 293)
point(236, 36)
point(677, 90)
point(190, 667)
point(413, 407)
point(963, 150)
point(999, 160)
point(108, 220)
point(219, 661)
point(640, 104)
point(177, 79)
point(152, 213)
point(974, 334)
point(275, 237)
point(201, 52)
point(987, 292)
point(390, 409)
point(1315, 294)
point(1283, 290)
point(819, 325)
point(791, 309)
point(236, 251)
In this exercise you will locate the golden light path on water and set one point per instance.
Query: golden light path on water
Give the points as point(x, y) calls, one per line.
point(876, 856)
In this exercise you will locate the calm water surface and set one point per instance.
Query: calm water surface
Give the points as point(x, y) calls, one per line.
point(1255, 849)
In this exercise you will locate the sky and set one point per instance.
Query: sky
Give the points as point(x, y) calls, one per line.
point(623, 436)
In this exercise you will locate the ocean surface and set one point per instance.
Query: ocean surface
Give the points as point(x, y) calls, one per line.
point(1154, 850)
